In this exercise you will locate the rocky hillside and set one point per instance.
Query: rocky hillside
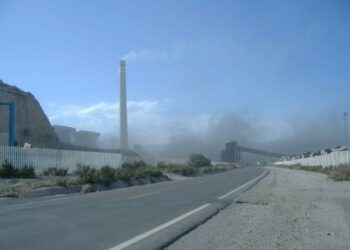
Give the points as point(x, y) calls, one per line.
point(31, 123)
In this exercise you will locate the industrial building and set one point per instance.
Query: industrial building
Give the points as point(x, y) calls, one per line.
point(230, 154)
point(233, 151)
point(65, 134)
point(87, 139)
point(81, 138)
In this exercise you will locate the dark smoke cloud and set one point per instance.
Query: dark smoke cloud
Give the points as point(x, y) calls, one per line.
point(208, 134)
point(303, 134)
point(210, 142)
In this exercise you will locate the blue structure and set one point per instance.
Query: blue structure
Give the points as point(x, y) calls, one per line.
point(11, 106)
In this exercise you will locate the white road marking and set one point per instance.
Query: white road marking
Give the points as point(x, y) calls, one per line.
point(243, 186)
point(156, 229)
point(142, 195)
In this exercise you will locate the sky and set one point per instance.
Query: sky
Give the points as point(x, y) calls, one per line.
point(277, 65)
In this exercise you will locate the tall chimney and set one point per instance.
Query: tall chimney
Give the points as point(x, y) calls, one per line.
point(123, 107)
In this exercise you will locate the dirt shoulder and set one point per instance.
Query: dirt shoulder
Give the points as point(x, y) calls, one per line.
point(288, 209)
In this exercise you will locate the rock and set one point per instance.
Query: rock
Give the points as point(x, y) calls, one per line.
point(9, 195)
point(31, 123)
point(85, 188)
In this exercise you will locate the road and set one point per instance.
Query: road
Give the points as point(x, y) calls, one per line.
point(288, 209)
point(138, 217)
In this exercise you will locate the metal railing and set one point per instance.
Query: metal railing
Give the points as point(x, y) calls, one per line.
point(42, 158)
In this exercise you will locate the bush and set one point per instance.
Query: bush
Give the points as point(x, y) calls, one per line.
point(7, 170)
point(87, 174)
point(107, 175)
point(122, 174)
point(134, 166)
point(183, 170)
point(206, 170)
point(162, 165)
point(198, 160)
point(55, 172)
point(26, 172)
point(148, 172)
point(340, 173)
point(62, 183)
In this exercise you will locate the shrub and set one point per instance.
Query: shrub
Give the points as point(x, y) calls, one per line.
point(7, 170)
point(87, 174)
point(26, 172)
point(188, 171)
point(152, 172)
point(134, 166)
point(148, 172)
point(122, 174)
point(198, 160)
point(162, 165)
point(62, 183)
point(183, 170)
point(107, 175)
point(55, 172)
point(205, 170)
point(340, 173)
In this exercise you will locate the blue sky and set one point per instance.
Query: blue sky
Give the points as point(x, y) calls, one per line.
point(270, 60)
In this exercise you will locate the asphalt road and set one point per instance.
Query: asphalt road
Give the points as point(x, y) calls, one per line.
point(107, 219)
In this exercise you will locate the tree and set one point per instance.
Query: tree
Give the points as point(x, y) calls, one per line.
point(199, 160)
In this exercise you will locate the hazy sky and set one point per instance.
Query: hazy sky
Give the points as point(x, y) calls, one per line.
point(188, 62)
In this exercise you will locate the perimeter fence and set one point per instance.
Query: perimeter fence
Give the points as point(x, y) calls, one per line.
point(327, 160)
point(43, 158)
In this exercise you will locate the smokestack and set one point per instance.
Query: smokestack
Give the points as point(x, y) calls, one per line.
point(123, 107)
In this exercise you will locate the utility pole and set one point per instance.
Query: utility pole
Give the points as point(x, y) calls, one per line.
point(346, 128)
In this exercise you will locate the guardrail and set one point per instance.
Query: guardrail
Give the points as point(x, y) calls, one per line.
point(43, 158)
point(327, 160)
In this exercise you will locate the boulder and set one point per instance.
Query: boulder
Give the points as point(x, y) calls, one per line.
point(85, 188)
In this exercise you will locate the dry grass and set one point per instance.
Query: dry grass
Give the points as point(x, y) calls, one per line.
point(338, 173)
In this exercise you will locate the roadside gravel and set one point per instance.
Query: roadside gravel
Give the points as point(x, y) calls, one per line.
point(288, 209)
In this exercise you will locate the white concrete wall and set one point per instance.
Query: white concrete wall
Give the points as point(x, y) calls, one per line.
point(327, 160)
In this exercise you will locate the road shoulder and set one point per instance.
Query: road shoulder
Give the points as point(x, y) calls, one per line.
point(288, 209)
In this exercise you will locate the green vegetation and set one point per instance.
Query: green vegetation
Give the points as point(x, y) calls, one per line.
point(55, 172)
point(339, 173)
point(185, 170)
point(199, 160)
point(62, 183)
point(7, 170)
point(106, 175)
point(87, 174)
point(140, 170)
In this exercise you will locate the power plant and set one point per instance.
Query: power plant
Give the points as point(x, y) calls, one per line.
point(123, 107)
point(233, 151)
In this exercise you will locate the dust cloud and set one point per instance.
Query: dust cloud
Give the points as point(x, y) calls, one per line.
point(208, 135)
